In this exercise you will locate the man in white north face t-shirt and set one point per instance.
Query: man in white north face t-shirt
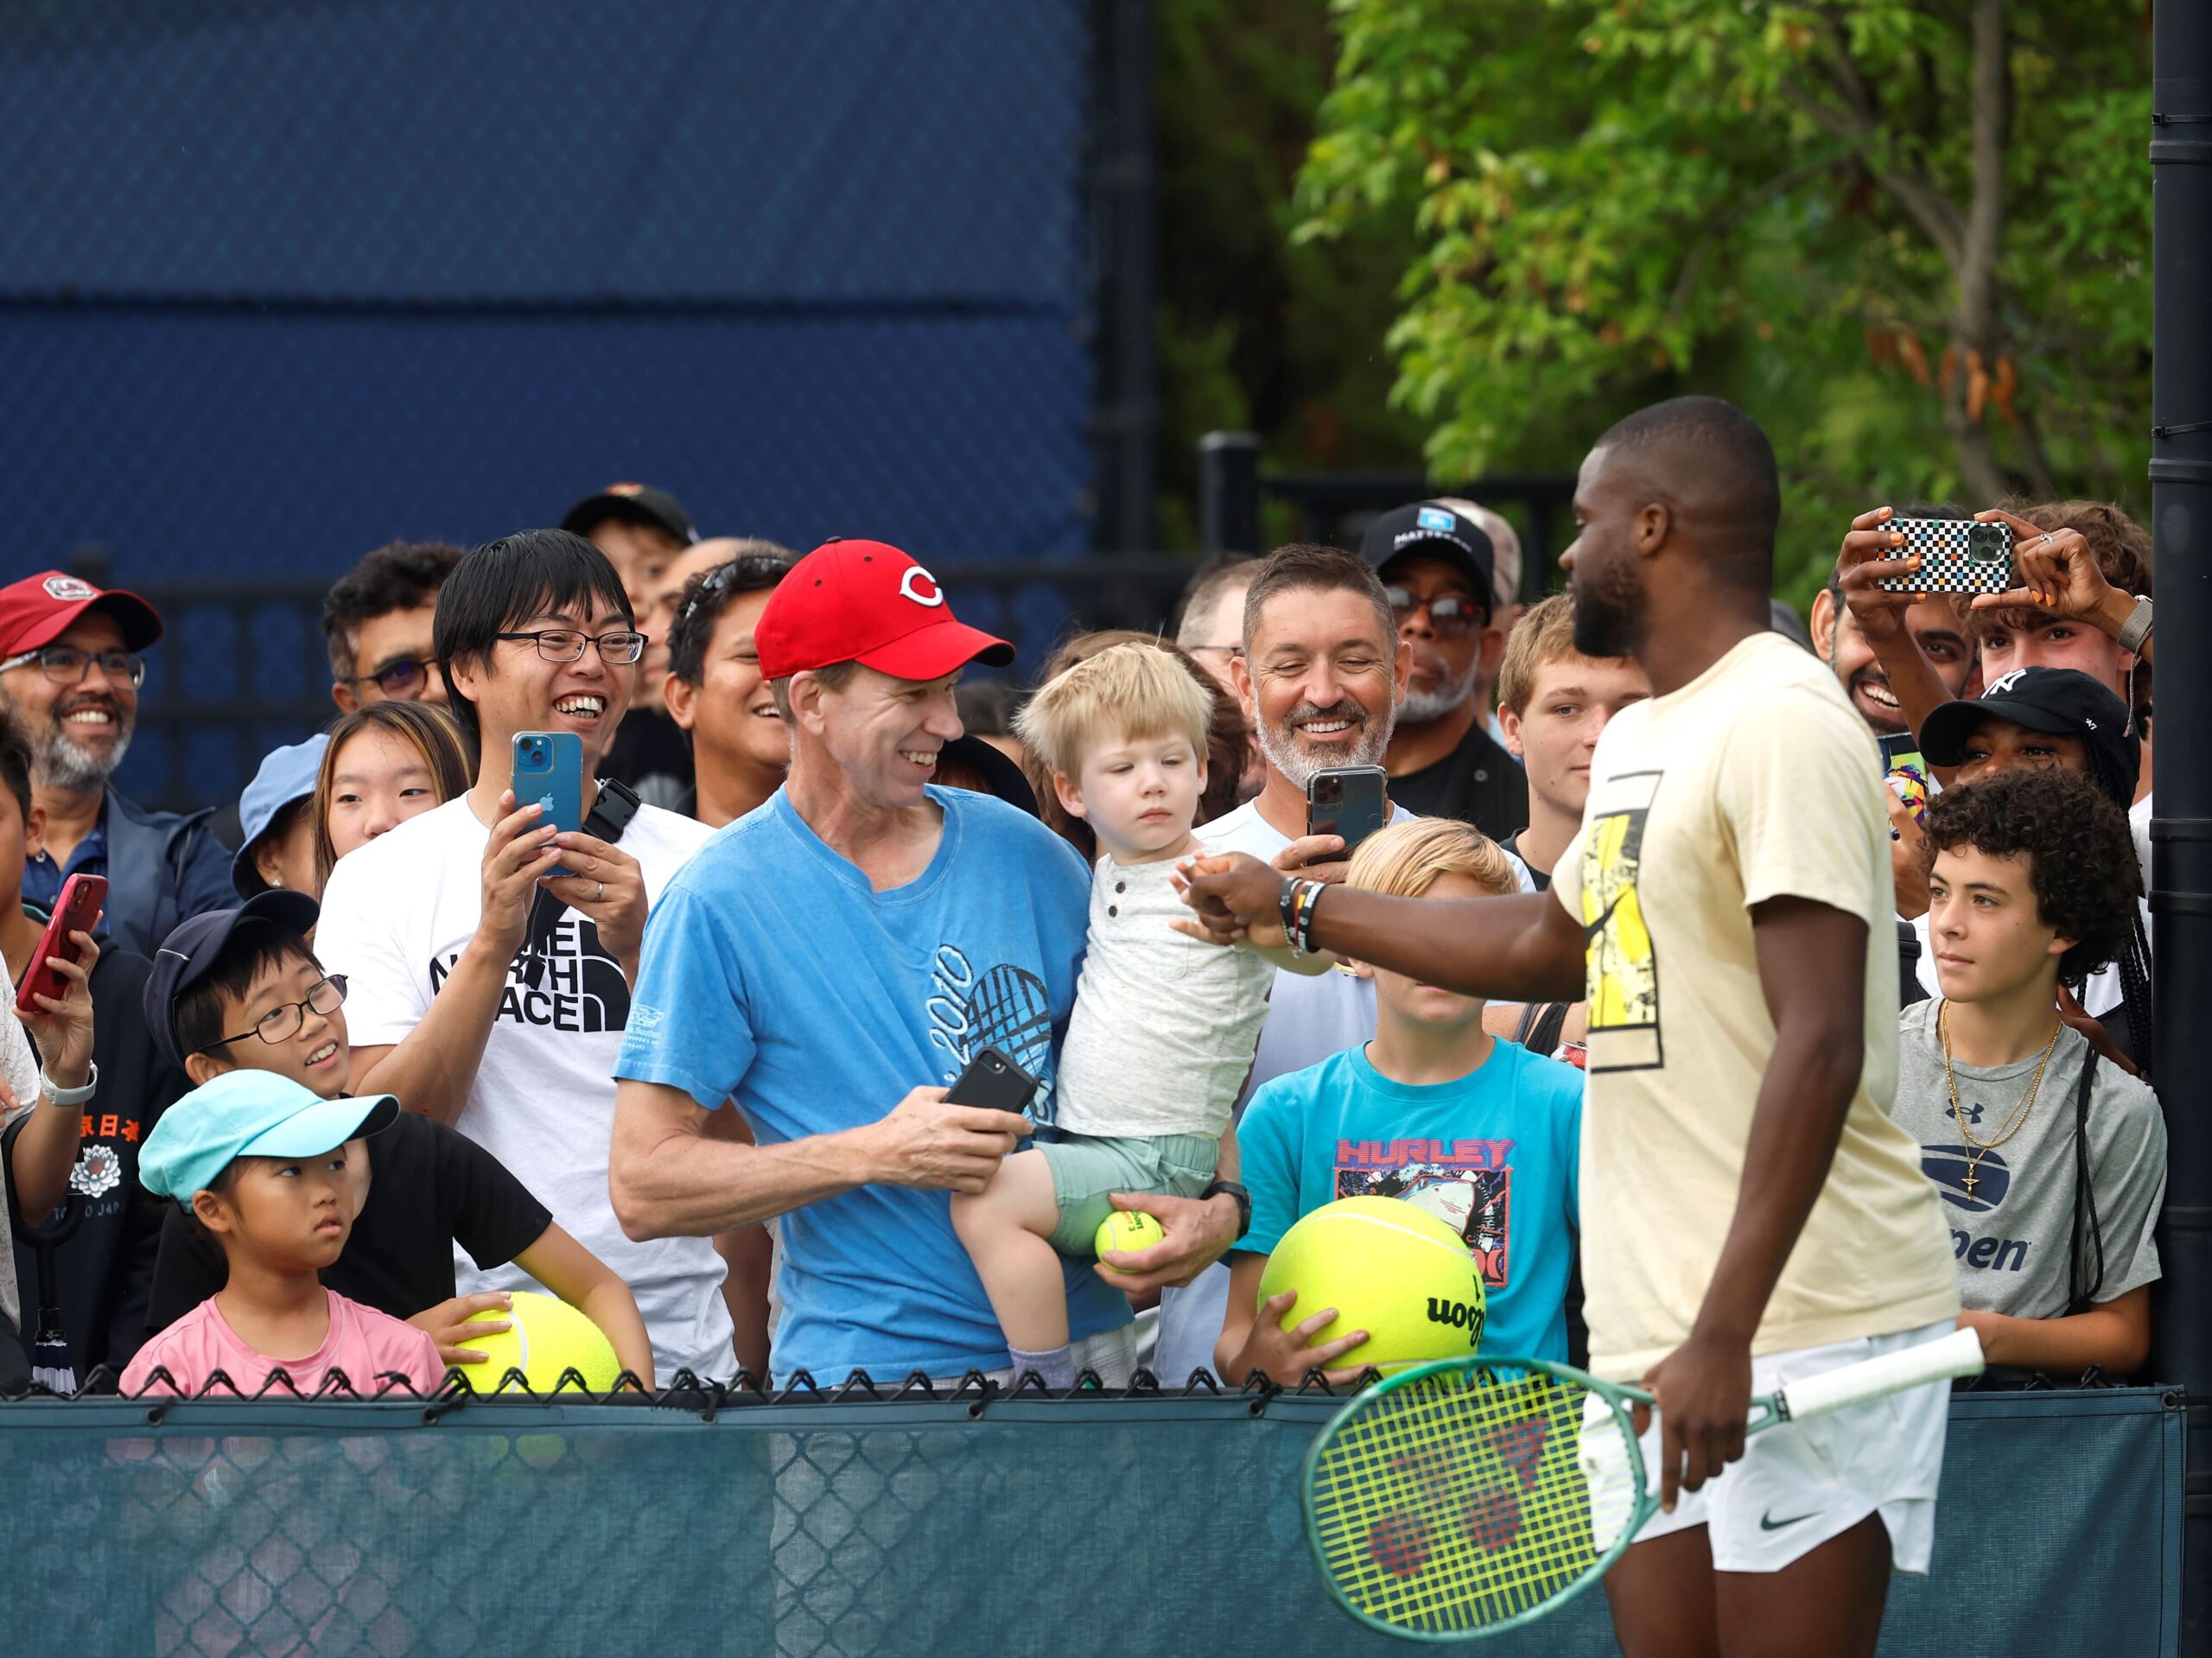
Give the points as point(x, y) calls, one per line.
point(456, 1005)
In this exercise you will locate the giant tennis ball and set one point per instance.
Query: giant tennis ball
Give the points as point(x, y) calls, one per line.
point(1389, 1268)
point(1127, 1228)
point(549, 1336)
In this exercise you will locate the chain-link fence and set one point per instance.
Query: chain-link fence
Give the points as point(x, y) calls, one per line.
point(1122, 1524)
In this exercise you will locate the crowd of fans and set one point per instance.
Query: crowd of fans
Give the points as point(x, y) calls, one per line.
point(686, 1067)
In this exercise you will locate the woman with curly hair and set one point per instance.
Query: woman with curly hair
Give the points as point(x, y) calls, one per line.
point(2051, 1166)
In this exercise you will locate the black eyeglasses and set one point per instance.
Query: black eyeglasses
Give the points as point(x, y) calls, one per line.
point(404, 678)
point(325, 996)
point(65, 664)
point(567, 644)
point(1449, 614)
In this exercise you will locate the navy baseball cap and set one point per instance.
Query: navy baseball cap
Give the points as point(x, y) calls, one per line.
point(2059, 701)
point(250, 1113)
point(632, 503)
point(1436, 528)
point(286, 775)
point(188, 952)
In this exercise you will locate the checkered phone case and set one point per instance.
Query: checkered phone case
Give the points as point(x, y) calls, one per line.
point(1956, 556)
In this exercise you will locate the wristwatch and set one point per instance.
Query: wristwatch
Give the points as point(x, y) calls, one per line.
point(1230, 1189)
point(69, 1098)
point(2136, 627)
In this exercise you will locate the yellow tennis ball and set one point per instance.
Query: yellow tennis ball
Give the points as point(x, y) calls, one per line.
point(549, 1336)
point(1127, 1228)
point(1388, 1267)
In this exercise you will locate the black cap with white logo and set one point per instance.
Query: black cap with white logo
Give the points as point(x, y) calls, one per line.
point(2059, 702)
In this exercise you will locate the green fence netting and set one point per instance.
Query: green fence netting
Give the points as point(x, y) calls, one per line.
point(1115, 1526)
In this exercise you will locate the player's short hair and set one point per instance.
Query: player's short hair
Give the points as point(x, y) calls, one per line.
point(1308, 566)
point(2081, 856)
point(1134, 692)
point(255, 944)
point(399, 576)
point(1545, 634)
point(1713, 461)
point(1406, 859)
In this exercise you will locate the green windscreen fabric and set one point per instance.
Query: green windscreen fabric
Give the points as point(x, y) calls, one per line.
point(1117, 1526)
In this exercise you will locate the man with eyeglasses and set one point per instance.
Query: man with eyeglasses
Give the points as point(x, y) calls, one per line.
point(1439, 565)
point(475, 1001)
point(71, 665)
point(376, 625)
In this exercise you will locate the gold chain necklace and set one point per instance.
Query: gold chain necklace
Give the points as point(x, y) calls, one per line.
point(1977, 1149)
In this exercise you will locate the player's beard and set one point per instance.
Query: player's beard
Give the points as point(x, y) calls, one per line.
point(1608, 609)
point(1281, 747)
point(1420, 706)
point(63, 763)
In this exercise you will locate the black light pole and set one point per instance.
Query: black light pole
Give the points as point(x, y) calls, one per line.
point(2180, 901)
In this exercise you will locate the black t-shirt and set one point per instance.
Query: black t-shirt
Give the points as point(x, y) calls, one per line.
point(1542, 877)
point(430, 1188)
point(98, 1245)
point(1478, 783)
point(652, 754)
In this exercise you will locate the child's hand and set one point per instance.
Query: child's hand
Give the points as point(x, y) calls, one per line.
point(1285, 1355)
point(447, 1323)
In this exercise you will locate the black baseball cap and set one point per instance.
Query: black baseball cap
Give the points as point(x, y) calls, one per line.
point(190, 951)
point(632, 503)
point(1435, 528)
point(2059, 702)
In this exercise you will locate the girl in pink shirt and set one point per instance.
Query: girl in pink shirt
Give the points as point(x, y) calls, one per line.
point(261, 1162)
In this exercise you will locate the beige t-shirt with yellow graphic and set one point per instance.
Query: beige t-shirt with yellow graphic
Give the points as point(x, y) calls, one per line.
point(1755, 780)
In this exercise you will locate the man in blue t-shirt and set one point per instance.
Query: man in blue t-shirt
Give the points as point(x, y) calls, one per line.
point(1434, 1110)
point(850, 945)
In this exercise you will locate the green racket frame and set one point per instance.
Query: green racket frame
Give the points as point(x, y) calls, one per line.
point(1958, 1354)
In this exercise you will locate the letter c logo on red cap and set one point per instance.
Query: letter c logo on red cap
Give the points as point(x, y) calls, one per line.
point(911, 586)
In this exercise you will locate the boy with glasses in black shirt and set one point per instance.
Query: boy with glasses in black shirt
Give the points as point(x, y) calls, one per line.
point(241, 989)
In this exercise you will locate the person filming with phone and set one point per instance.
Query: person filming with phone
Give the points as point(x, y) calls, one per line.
point(829, 965)
point(490, 945)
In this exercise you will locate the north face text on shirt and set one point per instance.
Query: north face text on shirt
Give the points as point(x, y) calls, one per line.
point(581, 990)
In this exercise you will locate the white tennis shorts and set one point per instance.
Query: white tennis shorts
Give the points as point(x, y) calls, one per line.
point(1801, 1483)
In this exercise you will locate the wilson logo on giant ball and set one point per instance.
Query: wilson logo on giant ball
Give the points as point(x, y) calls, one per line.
point(1458, 1314)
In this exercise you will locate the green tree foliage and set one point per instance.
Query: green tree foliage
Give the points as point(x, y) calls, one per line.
point(1912, 237)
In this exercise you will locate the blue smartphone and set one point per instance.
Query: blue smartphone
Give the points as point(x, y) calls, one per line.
point(548, 768)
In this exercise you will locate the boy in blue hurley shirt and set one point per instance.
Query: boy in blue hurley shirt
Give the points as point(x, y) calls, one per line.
point(1434, 1110)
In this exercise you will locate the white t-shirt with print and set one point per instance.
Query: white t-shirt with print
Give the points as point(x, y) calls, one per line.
point(396, 916)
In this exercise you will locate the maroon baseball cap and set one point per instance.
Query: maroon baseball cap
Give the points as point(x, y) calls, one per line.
point(40, 609)
point(866, 601)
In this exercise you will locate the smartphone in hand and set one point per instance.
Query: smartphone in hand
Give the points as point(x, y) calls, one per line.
point(75, 911)
point(1349, 801)
point(548, 768)
point(993, 1083)
point(1956, 556)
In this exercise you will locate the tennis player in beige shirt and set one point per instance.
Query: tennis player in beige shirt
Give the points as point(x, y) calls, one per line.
point(1752, 1215)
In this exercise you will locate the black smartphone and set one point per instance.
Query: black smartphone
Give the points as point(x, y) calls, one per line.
point(1347, 801)
point(993, 1083)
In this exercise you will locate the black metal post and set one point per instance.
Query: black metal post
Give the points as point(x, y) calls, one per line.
point(1228, 492)
point(2181, 521)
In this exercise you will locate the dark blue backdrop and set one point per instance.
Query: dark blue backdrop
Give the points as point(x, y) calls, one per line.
point(280, 281)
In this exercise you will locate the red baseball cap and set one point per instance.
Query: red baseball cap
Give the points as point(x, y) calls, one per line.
point(40, 609)
point(866, 601)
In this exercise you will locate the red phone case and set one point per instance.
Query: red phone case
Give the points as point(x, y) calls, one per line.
point(76, 910)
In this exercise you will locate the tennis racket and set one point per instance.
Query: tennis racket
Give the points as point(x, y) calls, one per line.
point(1464, 1497)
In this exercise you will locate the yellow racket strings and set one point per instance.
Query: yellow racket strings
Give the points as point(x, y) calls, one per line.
point(1456, 1502)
